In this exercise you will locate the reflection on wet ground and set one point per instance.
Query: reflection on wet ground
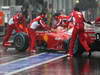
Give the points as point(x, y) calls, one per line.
point(10, 54)
point(64, 66)
point(67, 66)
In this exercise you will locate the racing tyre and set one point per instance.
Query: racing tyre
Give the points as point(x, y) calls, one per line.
point(21, 41)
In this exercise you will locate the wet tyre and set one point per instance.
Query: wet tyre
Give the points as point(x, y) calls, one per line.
point(21, 41)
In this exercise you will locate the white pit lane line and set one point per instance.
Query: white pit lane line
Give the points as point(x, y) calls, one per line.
point(33, 65)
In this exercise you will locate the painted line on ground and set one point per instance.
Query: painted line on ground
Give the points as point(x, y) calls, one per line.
point(29, 62)
point(33, 66)
point(20, 59)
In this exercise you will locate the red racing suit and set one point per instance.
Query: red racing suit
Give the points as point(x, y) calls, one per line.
point(13, 24)
point(61, 21)
point(78, 21)
point(36, 24)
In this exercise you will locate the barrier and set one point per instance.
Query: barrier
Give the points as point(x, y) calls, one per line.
point(2, 25)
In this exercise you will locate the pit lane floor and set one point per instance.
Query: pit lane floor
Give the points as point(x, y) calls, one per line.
point(62, 65)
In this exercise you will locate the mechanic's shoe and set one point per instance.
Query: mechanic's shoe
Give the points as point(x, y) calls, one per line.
point(7, 44)
point(70, 53)
point(31, 51)
point(89, 54)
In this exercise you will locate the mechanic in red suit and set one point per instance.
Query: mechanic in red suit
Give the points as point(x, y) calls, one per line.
point(56, 20)
point(61, 20)
point(13, 24)
point(78, 21)
point(36, 24)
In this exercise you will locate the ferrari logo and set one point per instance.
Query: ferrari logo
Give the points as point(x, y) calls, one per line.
point(21, 26)
point(45, 37)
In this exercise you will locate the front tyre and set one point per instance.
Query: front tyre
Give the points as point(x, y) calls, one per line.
point(21, 41)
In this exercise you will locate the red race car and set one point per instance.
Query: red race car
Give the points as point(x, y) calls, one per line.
point(47, 40)
point(57, 40)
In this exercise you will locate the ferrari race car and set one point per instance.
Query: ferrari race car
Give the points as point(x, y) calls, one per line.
point(45, 40)
point(57, 40)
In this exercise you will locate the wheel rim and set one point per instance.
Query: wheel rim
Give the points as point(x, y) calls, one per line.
point(18, 42)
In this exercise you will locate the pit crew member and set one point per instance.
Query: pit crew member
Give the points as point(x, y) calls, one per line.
point(60, 20)
point(78, 21)
point(38, 23)
point(13, 24)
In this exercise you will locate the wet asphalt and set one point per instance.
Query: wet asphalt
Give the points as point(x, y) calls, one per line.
point(81, 65)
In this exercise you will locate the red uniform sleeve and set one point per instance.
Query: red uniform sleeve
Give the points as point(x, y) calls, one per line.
point(44, 25)
point(59, 22)
point(71, 15)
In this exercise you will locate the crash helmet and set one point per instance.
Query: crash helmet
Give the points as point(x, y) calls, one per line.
point(56, 15)
point(18, 17)
point(43, 14)
point(76, 8)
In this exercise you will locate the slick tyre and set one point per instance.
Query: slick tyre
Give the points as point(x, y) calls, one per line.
point(21, 41)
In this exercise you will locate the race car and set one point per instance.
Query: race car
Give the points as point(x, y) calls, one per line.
point(57, 40)
point(47, 40)
point(96, 44)
point(93, 32)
